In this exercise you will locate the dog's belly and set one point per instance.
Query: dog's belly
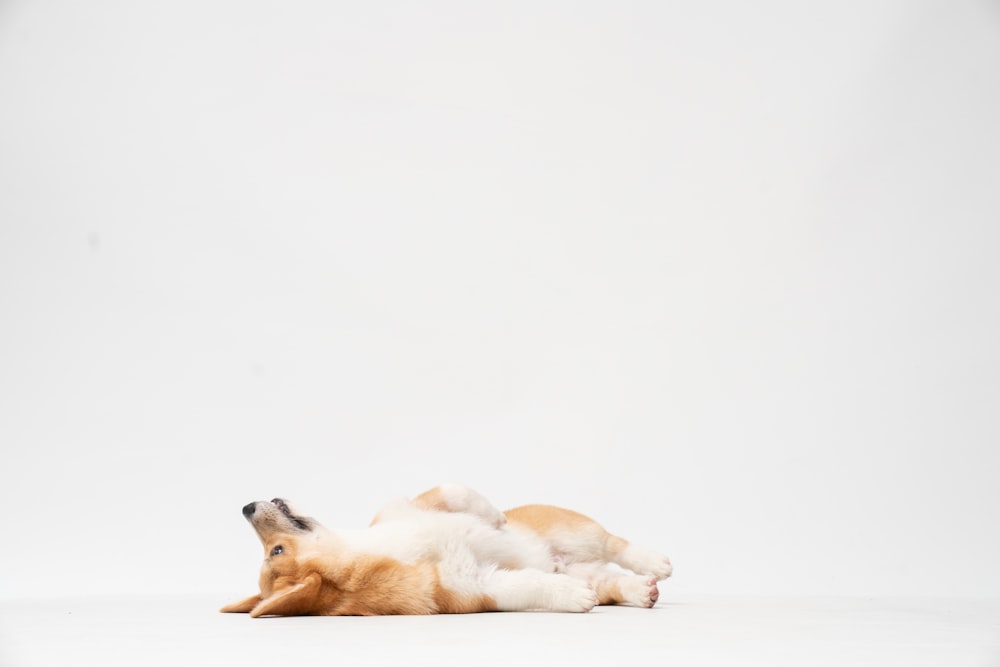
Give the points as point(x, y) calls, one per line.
point(439, 536)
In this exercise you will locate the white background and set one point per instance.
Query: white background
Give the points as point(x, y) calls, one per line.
point(722, 275)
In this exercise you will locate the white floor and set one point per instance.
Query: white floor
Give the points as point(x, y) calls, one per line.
point(695, 631)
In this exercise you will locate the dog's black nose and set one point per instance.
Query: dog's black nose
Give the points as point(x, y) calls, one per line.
point(248, 510)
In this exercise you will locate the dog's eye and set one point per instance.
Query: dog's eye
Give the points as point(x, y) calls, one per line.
point(278, 550)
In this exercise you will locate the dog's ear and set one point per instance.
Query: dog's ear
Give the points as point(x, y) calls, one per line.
point(298, 600)
point(241, 607)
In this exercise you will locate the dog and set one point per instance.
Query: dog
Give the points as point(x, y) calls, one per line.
point(446, 551)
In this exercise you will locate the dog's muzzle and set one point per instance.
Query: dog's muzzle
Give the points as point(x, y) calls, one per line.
point(277, 514)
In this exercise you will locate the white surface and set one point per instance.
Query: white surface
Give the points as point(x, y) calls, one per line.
point(702, 631)
point(723, 275)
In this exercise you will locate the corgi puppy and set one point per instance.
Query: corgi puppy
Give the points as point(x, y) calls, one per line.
point(447, 551)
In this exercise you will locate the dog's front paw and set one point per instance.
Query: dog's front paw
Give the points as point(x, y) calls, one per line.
point(458, 498)
point(492, 516)
point(573, 595)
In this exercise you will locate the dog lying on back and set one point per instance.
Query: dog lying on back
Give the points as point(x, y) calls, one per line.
point(447, 551)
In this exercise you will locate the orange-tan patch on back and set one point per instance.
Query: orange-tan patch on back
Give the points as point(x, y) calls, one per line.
point(568, 531)
point(543, 519)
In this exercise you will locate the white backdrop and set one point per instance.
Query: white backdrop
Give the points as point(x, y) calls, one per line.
point(723, 275)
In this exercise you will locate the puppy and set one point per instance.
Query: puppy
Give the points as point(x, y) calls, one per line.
point(447, 551)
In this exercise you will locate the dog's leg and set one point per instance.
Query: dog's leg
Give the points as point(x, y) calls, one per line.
point(615, 587)
point(472, 582)
point(637, 559)
point(532, 590)
point(576, 538)
point(458, 498)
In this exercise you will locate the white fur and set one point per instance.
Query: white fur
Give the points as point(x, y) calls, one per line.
point(638, 559)
point(408, 534)
point(472, 554)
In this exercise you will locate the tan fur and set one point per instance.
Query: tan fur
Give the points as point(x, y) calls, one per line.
point(554, 522)
point(449, 602)
point(358, 586)
point(244, 606)
point(609, 592)
point(433, 499)
point(543, 519)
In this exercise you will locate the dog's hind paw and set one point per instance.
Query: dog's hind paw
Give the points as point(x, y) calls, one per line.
point(640, 591)
point(662, 568)
point(642, 561)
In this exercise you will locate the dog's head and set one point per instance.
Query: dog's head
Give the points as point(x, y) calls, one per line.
point(288, 587)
